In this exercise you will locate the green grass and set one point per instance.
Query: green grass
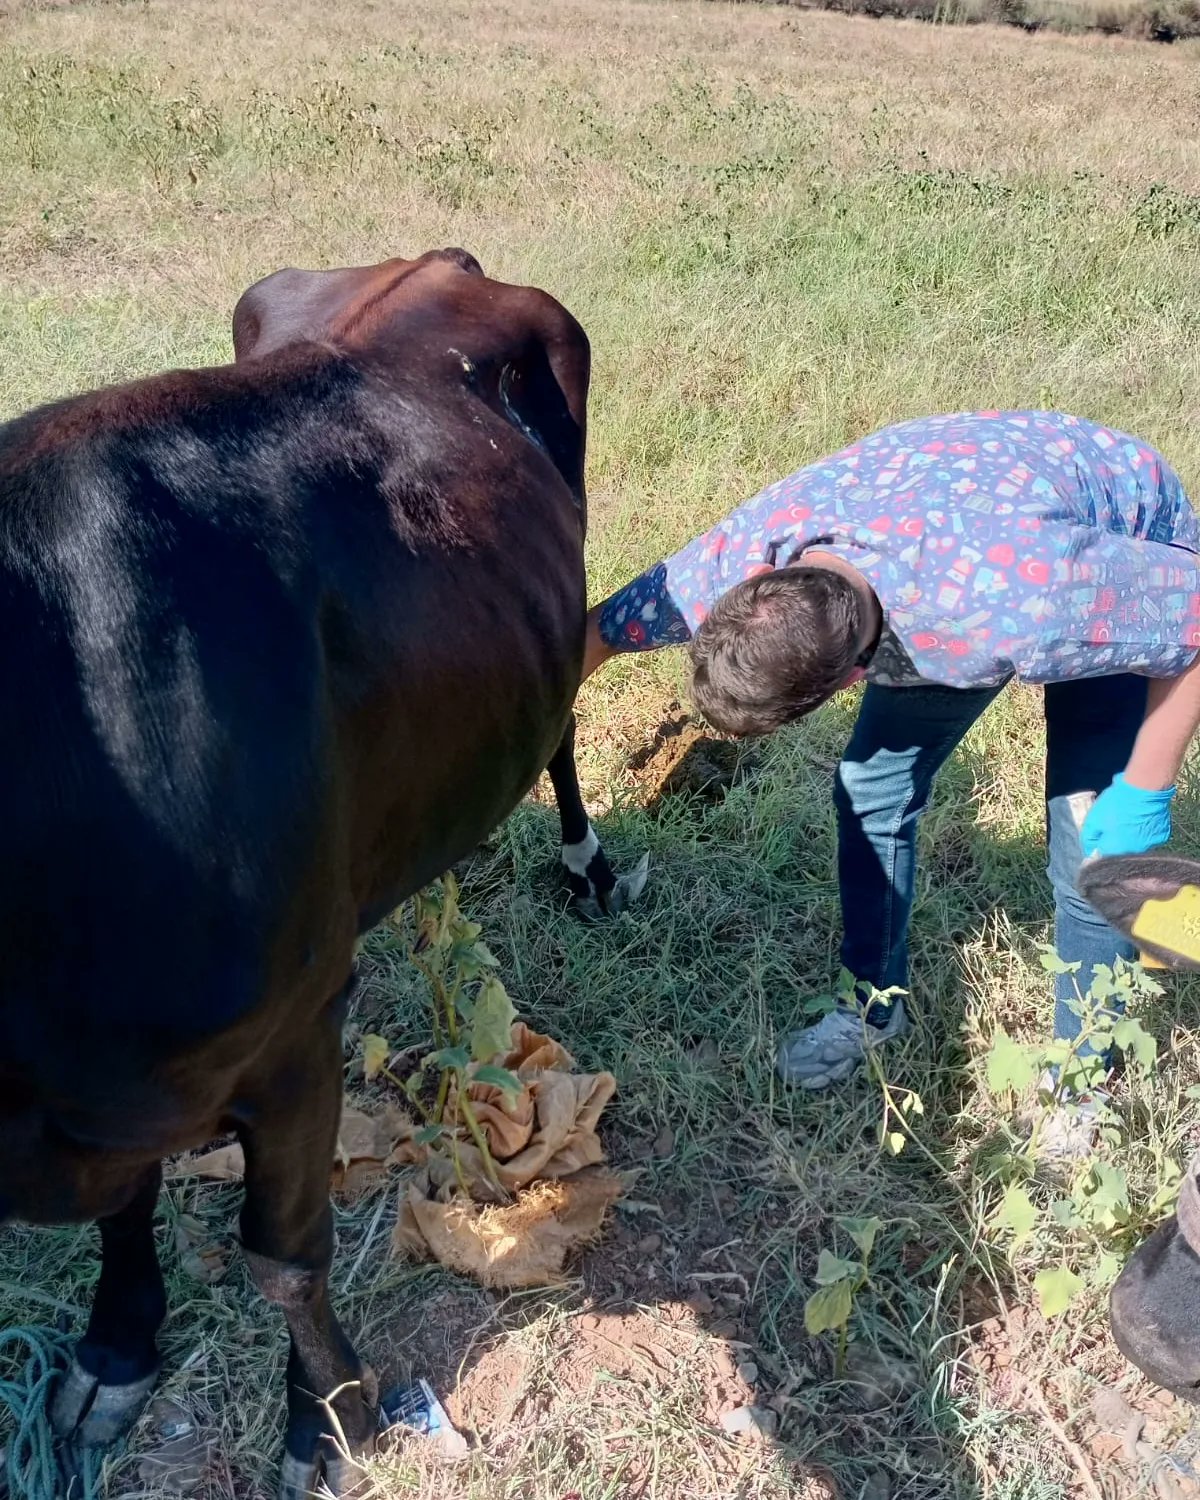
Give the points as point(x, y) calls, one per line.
point(780, 229)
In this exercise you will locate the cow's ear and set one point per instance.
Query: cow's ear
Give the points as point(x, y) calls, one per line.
point(545, 383)
point(1153, 899)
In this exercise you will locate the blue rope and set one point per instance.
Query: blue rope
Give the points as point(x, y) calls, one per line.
point(33, 1469)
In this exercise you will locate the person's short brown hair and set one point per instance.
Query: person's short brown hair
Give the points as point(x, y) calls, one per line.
point(774, 648)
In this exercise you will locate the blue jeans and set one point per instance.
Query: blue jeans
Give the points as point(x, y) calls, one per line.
point(901, 740)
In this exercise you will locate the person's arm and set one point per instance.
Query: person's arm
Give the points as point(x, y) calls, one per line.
point(1172, 718)
point(642, 616)
point(596, 650)
point(665, 605)
point(1128, 604)
point(1133, 815)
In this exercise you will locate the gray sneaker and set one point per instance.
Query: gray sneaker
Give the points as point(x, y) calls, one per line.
point(831, 1049)
point(1069, 1129)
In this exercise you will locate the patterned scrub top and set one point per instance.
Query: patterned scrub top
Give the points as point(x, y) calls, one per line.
point(1022, 543)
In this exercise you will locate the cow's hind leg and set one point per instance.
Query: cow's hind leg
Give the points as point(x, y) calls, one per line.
point(595, 890)
point(116, 1363)
point(290, 1136)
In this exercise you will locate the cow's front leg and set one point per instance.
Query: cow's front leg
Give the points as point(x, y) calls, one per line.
point(595, 890)
point(289, 1137)
point(115, 1363)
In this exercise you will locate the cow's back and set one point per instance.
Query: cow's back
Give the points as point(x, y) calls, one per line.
point(279, 645)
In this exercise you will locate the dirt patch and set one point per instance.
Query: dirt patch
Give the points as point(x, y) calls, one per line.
point(1123, 1431)
point(655, 1334)
point(610, 1359)
point(1002, 1349)
point(491, 1395)
point(437, 1339)
point(671, 1260)
point(683, 757)
point(606, 1370)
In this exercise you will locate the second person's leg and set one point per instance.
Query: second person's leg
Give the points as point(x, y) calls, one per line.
point(901, 740)
point(1090, 729)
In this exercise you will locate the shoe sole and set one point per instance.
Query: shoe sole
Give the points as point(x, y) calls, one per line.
point(814, 1085)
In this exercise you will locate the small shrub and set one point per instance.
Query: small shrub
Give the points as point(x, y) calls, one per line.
point(1162, 210)
point(1074, 1227)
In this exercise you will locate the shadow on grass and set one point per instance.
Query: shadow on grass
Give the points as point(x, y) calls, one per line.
point(740, 925)
point(681, 999)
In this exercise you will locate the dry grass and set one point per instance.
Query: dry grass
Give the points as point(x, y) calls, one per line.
point(781, 228)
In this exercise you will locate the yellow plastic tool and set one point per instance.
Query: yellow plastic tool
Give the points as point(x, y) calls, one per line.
point(1172, 926)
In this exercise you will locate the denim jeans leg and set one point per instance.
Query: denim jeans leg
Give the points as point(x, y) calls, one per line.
point(901, 740)
point(1090, 729)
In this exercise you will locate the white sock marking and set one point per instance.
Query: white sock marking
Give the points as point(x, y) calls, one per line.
point(578, 856)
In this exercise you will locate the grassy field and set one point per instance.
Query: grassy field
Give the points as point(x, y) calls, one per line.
point(780, 229)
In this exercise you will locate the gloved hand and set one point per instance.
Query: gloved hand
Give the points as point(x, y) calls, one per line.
point(1127, 820)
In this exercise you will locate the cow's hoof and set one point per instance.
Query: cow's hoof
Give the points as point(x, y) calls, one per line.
point(331, 1475)
point(89, 1414)
point(1154, 1312)
point(596, 892)
point(598, 905)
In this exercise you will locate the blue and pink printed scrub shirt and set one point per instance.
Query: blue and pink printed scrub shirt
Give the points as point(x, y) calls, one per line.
point(1019, 543)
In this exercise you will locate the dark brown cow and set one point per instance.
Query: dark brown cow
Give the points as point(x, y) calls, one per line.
point(282, 642)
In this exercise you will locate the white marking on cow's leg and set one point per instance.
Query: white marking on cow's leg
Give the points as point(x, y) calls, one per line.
point(577, 857)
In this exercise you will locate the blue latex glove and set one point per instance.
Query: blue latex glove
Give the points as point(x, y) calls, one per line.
point(1127, 820)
